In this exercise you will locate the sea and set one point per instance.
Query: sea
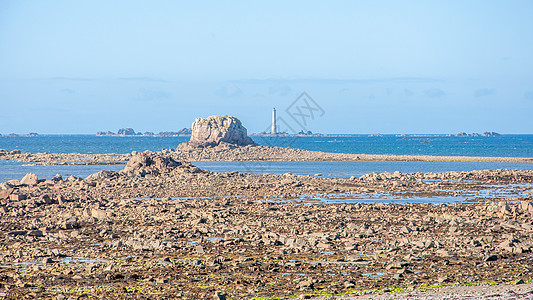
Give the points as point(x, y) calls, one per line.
point(498, 146)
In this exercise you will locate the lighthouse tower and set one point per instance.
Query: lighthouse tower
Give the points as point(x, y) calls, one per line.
point(273, 130)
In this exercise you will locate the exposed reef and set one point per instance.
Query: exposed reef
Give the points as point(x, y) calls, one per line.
point(162, 228)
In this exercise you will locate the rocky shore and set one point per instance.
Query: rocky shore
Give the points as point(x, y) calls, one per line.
point(162, 228)
point(44, 158)
point(229, 152)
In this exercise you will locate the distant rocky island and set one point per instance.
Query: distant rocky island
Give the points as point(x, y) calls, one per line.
point(486, 133)
point(31, 134)
point(460, 134)
point(301, 133)
point(131, 132)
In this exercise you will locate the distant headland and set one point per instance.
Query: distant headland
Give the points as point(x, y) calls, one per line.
point(188, 132)
point(131, 132)
point(487, 133)
point(301, 133)
point(31, 134)
point(460, 134)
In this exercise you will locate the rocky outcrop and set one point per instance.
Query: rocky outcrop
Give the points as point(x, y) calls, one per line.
point(131, 132)
point(126, 131)
point(214, 131)
point(150, 163)
point(104, 174)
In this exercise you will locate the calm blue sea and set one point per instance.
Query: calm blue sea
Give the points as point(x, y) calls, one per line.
point(509, 145)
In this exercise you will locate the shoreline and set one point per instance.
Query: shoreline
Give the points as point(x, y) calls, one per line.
point(247, 153)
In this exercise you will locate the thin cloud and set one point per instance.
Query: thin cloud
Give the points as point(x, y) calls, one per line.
point(71, 78)
point(483, 92)
point(68, 91)
point(434, 93)
point(408, 92)
point(229, 91)
point(281, 90)
point(279, 81)
point(144, 79)
point(152, 95)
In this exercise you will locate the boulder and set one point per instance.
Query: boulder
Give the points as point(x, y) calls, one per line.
point(104, 174)
point(29, 179)
point(149, 163)
point(4, 193)
point(217, 130)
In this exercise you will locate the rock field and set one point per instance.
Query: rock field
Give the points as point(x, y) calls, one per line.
point(163, 228)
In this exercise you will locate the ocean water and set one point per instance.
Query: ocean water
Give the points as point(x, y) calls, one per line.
point(90, 144)
point(16, 170)
point(508, 145)
point(346, 169)
point(340, 169)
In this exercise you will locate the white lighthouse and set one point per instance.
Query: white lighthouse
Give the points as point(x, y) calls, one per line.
point(273, 130)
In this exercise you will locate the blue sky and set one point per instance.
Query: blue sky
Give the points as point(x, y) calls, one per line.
point(372, 66)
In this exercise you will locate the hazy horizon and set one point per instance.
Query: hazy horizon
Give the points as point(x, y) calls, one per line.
point(412, 67)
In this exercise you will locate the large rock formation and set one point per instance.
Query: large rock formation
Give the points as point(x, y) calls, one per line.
point(218, 131)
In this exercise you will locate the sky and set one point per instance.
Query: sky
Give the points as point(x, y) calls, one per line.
point(365, 66)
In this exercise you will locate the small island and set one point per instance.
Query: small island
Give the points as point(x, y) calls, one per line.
point(31, 134)
point(131, 132)
point(301, 133)
point(460, 134)
point(486, 133)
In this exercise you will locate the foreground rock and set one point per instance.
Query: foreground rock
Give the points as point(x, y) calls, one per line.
point(29, 179)
point(154, 164)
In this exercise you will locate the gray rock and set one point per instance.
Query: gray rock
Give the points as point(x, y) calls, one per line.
point(490, 258)
point(100, 214)
point(149, 163)
point(30, 179)
point(104, 174)
point(219, 296)
point(12, 182)
point(4, 193)
point(47, 260)
point(17, 232)
point(35, 233)
point(200, 250)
